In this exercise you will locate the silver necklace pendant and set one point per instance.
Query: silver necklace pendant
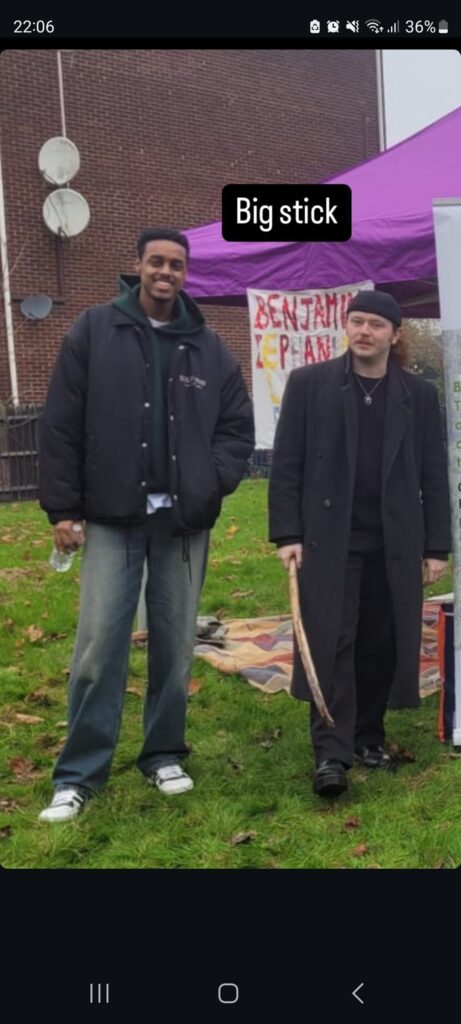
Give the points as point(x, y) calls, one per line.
point(367, 400)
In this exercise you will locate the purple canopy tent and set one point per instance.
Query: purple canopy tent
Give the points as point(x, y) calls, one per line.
point(392, 239)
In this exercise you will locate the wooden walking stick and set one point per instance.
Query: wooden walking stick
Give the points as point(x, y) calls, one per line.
point(303, 645)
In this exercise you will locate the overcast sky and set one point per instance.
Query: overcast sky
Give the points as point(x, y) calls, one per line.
point(420, 86)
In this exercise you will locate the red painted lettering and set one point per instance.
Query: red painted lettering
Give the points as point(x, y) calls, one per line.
point(306, 301)
point(309, 356)
point(261, 320)
point(290, 316)
point(284, 342)
point(273, 312)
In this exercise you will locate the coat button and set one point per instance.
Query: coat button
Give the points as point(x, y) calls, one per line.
point(147, 405)
point(175, 496)
point(327, 503)
point(173, 458)
point(171, 417)
point(143, 483)
point(170, 380)
point(144, 444)
point(180, 347)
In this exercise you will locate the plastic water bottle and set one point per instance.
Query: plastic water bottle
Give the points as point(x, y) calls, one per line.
point(61, 561)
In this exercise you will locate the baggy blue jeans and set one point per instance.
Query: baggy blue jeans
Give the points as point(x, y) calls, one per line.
point(112, 569)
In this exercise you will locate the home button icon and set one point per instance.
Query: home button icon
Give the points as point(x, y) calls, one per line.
point(228, 992)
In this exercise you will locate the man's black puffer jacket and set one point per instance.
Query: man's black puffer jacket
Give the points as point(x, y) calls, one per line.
point(96, 428)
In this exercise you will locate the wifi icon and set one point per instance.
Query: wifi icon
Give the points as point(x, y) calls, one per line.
point(374, 25)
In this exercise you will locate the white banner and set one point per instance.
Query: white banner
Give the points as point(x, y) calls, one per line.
point(447, 220)
point(291, 329)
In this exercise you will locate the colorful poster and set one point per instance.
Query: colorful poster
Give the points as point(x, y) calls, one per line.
point(291, 329)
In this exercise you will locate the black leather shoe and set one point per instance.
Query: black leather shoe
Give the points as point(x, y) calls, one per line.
point(372, 757)
point(330, 778)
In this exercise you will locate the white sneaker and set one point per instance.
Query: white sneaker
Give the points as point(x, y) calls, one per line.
point(171, 779)
point(66, 804)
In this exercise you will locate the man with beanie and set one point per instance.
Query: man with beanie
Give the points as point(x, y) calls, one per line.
point(147, 426)
point(359, 497)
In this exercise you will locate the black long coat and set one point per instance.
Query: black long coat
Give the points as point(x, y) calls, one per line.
point(310, 497)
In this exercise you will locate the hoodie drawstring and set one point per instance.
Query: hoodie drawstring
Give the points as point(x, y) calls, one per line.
point(186, 554)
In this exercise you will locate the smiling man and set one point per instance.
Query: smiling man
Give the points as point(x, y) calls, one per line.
point(147, 426)
point(359, 496)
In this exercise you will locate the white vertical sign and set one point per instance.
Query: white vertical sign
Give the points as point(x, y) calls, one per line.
point(447, 221)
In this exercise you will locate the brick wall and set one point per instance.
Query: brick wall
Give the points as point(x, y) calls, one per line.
point(159, 133)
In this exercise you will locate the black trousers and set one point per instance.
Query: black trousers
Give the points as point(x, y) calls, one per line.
point(364, 665)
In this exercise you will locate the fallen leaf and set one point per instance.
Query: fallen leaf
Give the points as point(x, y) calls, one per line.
point(8, 538)
point(45, 741)
point(61, 725)
point(236, 764)
point(231, 531)
point(351, 824)
point(24, 770)
point(139, 634)
point(28, 719)
point(39, 543)
point(242, 593)
point(8, 805)
point(134, 691)
point(194, 686)
point(27, 604)
point(268, 742)
point(34, 634)
point(443, 864)
point(54, 636)
point(45, 615)
point(454, 757)
point(360, 850)
point(39, 697)
point(230, 578)
point(234, 561)
point(8, 624)
point(221, 613)
point(373, 865)
point(401, 754)
point(242, 837)
point(6, 832)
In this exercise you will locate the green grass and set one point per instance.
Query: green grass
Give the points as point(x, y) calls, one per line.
point(406, 818)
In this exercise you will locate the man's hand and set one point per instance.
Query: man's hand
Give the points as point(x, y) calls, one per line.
point(68, 535)
point(433, 569)
point(287, 550)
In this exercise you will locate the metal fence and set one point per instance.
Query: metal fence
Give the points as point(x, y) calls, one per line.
point(19, 452)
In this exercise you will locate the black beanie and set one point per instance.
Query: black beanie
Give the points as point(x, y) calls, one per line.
point(380, 303)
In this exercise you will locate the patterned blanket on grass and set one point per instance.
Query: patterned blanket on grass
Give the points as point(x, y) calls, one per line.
point(261, 650)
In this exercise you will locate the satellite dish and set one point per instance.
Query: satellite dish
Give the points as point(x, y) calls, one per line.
point(36, 307)
point(59, 160)
point(65, 212)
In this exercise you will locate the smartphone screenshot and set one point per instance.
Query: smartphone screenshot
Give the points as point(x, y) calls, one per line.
point(230, 477)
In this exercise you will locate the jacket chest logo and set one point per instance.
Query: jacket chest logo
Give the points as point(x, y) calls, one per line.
point(192, 382)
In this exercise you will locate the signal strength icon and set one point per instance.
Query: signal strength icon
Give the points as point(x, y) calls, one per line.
point(374, 25)
point(395, 27)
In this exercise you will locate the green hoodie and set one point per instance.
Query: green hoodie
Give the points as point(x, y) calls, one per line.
point(187, 320)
